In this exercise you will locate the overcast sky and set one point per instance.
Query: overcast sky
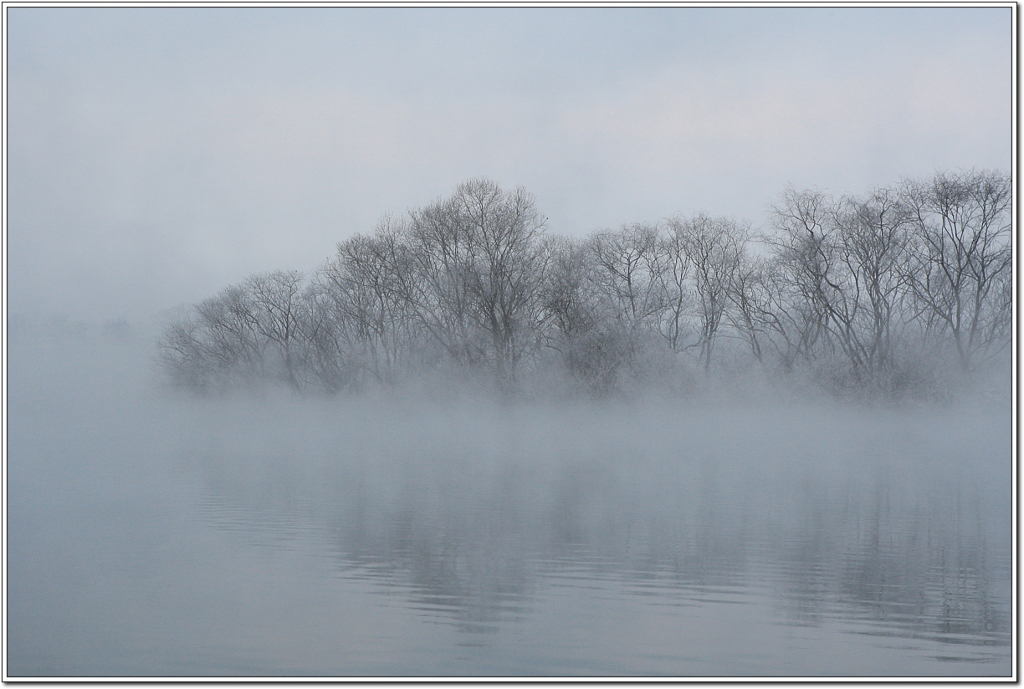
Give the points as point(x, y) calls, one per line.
point(157, 155)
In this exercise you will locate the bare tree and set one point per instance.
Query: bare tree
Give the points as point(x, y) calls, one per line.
point(714, 246)
point(366, 282)
point(230, 334)
point(182, 353)
point(626, 296)
point(216, 344)
point(568, 293)
point(506, 269)
point(477, 264)
point(628, 273)
point(750, 296)
point(277, 313)
point(962, 259)
point(674, 275)
point(846, 258)
point(329, 349)
point(867, 314)
point(851, 285)
point(581, 319)
point(804, 260)
point(436, 284)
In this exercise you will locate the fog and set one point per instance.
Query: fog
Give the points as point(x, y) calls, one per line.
point(153, 532)
point(508, 342)
point(158, 154)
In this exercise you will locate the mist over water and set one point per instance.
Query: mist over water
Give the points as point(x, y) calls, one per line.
point(533, 341)
point(153, 533)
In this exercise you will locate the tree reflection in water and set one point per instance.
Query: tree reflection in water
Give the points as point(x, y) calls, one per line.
point(475, 534)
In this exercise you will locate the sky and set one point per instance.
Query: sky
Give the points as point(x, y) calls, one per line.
point(158, 155)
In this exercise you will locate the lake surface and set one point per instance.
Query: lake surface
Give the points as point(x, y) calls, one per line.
point(159, 536)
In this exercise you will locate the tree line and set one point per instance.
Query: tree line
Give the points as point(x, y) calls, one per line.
point(894, 292)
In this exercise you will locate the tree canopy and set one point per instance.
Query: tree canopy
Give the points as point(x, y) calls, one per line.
point(896, 292)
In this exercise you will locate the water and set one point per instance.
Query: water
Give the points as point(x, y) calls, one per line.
point(173, 537)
